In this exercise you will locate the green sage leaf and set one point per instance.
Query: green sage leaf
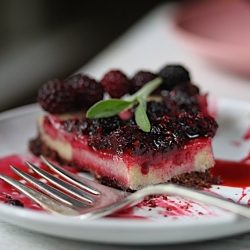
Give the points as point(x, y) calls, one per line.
point(106, 108)
point(141, 117)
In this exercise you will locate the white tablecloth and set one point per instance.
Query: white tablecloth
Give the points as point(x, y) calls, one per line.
point(149, 44)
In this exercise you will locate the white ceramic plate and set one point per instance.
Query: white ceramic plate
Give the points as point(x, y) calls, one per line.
point(200, 222)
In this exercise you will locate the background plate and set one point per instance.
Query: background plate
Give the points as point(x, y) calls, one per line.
point(218, 31)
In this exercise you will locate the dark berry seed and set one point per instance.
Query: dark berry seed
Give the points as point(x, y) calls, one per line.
point(140, 79)
point(115, 83)
point(87, 91)
point(173, 75)
point(55, 97)
point(14, 203)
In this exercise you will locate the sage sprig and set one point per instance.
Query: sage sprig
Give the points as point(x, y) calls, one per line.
point(110, 107)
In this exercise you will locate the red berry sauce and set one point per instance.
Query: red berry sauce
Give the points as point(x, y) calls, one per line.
point(233, 174)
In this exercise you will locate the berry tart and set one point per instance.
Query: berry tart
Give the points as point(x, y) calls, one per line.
point(159, 132)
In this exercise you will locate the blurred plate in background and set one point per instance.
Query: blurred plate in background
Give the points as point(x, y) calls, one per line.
point(217, 30)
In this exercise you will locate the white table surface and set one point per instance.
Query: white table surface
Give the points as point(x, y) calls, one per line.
point(149, 44)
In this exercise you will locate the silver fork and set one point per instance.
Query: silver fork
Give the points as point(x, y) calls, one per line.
point(91, 200)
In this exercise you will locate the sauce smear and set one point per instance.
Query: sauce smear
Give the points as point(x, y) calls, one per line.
point(233, 174)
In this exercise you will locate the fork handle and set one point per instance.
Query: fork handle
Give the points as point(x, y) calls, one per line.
point(169, 189)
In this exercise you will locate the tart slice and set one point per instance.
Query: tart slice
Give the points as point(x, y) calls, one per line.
point(177, 148)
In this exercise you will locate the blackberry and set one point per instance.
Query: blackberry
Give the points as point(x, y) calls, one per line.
point(177, 101)
point(55, 97)
point(12, 202)
point(169, 133)
point(197, 125)
point(140, 79)
point(86, 90)
point(105, 125)
point(173, 75)
point(115, 83)
point(188, 88)
point(156, 109)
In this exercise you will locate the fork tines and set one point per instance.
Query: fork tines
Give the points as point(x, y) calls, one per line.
point(81, 195)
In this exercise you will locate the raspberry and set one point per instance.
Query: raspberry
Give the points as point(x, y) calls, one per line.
point(87, 91)
point(55, 97)
point(115, 83)
point(173, 75)
point(140, 79)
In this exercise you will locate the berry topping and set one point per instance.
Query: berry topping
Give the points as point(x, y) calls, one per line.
point(115, 83)
point(198, 124)
point(106, 125)
point(157, 109)
point(87, 91)
point(173, 75)
point(134, 141)
point(76, 125)
point(55, 97)
point(139, 80)
point(170, 129)
point(177, 101)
